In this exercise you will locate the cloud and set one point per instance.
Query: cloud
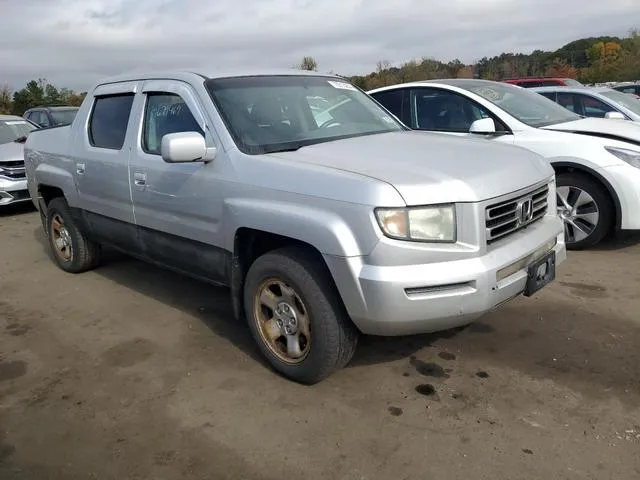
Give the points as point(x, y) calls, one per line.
point(73, 43)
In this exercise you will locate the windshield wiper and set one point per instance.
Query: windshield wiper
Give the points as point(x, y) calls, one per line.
point(21, 139)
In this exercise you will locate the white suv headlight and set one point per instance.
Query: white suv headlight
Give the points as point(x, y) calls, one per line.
point(632, 157)
point(419, 224)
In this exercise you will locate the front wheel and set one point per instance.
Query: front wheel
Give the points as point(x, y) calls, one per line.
point(586, 209)
point(296, 316)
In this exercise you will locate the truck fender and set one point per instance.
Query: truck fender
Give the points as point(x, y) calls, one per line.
point(324, 230)
point(46, 174)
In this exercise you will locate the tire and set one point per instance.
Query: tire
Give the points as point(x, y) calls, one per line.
point(72, 251)
point(592, 220)
point(333, 337)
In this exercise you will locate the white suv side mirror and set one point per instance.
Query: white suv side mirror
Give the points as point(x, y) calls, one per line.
point(484, 126)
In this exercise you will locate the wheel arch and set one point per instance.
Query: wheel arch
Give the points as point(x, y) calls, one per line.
point(571, 167)
point(251, 243)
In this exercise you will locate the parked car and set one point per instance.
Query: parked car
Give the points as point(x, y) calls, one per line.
point(321, 230)
point(596, 102)
point(51, 116)
point(597, 161)
point(13, 181)
point(532, 82)
point(632, 88)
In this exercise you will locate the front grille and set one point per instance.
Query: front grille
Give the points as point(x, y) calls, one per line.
point(514, 214)
point(13, 169)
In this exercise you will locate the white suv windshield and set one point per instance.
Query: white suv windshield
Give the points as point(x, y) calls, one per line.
point(278, 113)
point(624, 99)
point(11, 130)
point(529, 107)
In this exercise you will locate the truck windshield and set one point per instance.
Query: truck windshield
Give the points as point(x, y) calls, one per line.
point(529, 107)
point(266, 114)
point(11, 130)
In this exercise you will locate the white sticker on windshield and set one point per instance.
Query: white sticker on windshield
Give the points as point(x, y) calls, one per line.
point(15, 122)
point(342, 85)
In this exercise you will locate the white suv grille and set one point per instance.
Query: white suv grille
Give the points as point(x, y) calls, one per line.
point(509, 216)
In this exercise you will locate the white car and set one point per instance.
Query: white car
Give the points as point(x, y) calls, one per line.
point(597, 161)
point(595, 102)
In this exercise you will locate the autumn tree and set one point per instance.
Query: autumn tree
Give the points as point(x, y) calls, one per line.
point(560, 68)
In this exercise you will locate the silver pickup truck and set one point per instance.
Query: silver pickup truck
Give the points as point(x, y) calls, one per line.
point(320, 211)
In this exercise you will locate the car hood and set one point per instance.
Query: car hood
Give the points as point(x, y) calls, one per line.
point(622, 130)
point(11, 151)
point(429, 168)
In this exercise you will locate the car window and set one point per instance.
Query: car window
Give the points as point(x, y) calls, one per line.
point(165, 113)
point(13, 129)
point(392, 100)
point(64, 117)
point(549, 95)
point(43, 120)
point(529, 107)
point(593, 107)
point(109, 119)
point(441, 110)
point(570, 102)
point(530, 84)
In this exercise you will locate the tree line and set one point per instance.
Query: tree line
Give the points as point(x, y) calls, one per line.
point(589, 60)
point(36, 93)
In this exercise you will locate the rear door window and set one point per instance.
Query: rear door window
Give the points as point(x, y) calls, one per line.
point(109, 119)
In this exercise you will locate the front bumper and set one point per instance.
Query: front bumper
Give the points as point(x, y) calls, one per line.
point(13, 191)
point(625, 180)
point(403, 300)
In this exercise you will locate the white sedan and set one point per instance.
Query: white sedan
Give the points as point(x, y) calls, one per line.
point(597, 161)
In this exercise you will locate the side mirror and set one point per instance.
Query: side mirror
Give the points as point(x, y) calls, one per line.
point(484, 126)
point(614, 116)
point(184, 147)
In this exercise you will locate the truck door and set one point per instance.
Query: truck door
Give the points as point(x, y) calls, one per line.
point(101, 155)
point(177, 207)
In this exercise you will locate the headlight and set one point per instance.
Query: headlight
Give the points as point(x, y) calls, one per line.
point(419, 224)
point(630, 156)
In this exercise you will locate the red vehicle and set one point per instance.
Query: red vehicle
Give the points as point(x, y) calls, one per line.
point(532, 82)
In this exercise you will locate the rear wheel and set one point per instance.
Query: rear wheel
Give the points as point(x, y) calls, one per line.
point(72, 251)
point(585, 208)
point(296, 316)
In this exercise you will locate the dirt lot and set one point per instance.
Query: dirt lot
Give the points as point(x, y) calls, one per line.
point(133, 372)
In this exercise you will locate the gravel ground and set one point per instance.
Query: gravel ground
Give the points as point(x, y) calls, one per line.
point(131, 372)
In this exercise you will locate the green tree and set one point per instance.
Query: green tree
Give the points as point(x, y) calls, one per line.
point(308, 63)
point(5, 99)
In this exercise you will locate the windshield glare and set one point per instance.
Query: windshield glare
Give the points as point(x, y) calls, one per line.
point(529, 107)
point(63, 117)
point(11, 130)
point(276, 113)
point(625, 100)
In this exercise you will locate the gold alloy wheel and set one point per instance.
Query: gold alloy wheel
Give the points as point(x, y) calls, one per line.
point(283, 320)
point(61, 238)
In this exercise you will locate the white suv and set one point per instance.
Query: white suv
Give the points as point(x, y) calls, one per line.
point(597, 161)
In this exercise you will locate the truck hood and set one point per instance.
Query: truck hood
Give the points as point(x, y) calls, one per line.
point(10, 152)
point(429, 168)
point(623, 130)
